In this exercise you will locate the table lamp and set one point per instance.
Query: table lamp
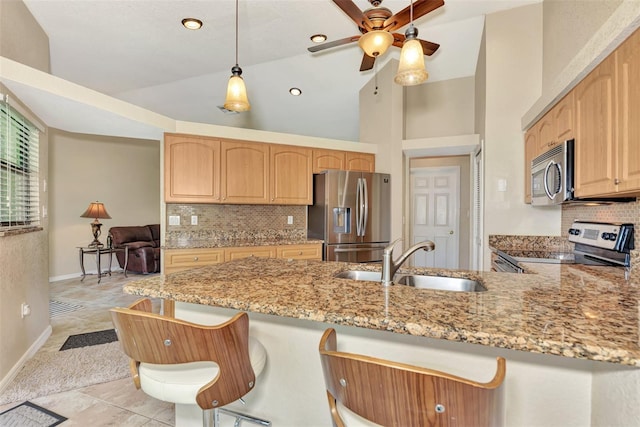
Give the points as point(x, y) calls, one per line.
point(95, 210)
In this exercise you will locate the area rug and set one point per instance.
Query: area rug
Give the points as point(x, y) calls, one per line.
point(28, 414)
point(50, 372)
point(91, 338)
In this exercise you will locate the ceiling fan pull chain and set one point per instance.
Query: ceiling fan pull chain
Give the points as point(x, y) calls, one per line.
point(375, 77)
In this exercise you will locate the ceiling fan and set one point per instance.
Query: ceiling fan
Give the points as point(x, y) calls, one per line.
point(377, 25)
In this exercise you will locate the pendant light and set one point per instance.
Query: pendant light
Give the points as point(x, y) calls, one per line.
point(237, 99)
point(411, 70)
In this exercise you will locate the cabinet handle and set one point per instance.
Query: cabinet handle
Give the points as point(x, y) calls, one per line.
point(300, 253)
point(195, 258)
point(616, 181)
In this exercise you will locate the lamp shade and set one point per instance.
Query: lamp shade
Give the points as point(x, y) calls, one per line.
point(375, 43)
point(237, 99)
point(411, 70)
point(96, 210)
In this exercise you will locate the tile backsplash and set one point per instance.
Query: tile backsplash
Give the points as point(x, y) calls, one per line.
point(237, 222)
point(617, 212)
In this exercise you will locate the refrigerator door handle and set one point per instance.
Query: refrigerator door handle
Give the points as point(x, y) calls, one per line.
point(358, 212)
point(365, 218)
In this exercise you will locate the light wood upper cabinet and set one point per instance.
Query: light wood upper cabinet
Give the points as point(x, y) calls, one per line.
point(245, 172)
point(563, 119)
point(628, 136)
point(546, 132)
point(363, 162)
point(290, 178)
point(328, 159)
point(192, 169)
point(595, 154)
point(530, 152)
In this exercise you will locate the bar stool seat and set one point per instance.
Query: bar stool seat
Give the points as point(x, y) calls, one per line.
point(199, 368)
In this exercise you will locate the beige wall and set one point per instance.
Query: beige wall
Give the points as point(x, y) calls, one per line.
point(442, 108)
point(567, 26)
point(122, 173)
point(21, 37)
point(464, 231)
point(24, 258)
point(513, 83)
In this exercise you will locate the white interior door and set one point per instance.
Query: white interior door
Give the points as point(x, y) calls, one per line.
point(435, 196)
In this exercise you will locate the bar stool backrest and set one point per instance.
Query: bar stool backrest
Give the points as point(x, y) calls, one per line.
point(152, 338)
point(395, 394)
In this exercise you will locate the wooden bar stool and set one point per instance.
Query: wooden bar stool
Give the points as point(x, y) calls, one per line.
point(191, 364)
point(366, 391)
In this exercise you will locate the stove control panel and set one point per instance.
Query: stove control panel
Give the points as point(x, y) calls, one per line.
point(613, 236)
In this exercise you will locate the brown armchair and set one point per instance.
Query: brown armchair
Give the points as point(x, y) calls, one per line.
point(144, 247)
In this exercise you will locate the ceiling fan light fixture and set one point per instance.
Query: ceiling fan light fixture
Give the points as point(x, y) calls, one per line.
point(237, 99)
point(318, 38)
point(375, 43)
point(192, 23)
point(411, 70)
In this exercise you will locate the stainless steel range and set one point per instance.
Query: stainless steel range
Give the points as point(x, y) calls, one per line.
point(596, 243)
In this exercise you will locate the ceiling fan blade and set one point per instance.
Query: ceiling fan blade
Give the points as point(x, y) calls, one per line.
point(328, 45)
point(429, 48)
point(367, 62)
point(420, 8)
point(354, 12)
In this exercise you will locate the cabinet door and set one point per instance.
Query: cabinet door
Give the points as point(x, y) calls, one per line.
point(191, 169)
point(628, 57)
point(530, 152)
point(595, 160)
point(290, 178)
point(563, 119)
point(546, 132)
point(244, 252)
point(306, 251)
point(328, 159)
point(362, 162)
point(245, 172)
point(183, 259)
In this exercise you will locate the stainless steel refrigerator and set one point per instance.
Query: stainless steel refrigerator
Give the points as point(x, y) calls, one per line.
point(351, 212)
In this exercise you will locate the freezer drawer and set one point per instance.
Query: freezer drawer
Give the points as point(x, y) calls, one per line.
point(365, 252)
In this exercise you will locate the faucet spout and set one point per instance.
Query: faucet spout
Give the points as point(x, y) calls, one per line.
point(390, 267)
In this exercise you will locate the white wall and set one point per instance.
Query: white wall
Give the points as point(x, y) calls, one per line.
point(513, 83)
point(122, 173)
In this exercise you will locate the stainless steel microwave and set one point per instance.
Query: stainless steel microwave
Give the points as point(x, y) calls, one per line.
point(552, 175)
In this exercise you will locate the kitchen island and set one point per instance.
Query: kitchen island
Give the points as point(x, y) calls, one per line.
point(564, 322)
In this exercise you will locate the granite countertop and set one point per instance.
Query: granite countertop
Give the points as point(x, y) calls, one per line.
point(191, 243)
point(570, 310)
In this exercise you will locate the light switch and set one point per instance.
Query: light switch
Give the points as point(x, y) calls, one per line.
point(502, 184)
point(174, 219)
point(194, 219)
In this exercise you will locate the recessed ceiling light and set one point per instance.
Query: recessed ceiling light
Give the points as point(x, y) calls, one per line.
point(192, 23)
point(318, 38)
point(295, 91)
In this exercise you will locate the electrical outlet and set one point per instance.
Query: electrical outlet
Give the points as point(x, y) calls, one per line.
point(25, 310)
point(194, 219)
point(290, 219)
point(174, 219)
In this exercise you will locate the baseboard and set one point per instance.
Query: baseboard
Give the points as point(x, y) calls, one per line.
point(76, 275)
point(26, 356)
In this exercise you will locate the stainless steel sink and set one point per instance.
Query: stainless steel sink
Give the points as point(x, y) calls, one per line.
point(373, 276)
point(439, 283)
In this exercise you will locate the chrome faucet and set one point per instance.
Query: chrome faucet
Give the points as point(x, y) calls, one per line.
point(389, 267)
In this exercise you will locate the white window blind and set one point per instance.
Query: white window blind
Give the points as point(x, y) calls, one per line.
point(19, 189)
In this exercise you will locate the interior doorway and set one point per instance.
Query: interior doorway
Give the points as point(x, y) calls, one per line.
point(439, 196)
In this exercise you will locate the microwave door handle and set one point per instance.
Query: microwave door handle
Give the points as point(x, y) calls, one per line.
point(546, 185)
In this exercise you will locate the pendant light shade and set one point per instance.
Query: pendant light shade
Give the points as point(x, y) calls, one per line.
point(375, 43)
point(411, 70)
point(237, 99)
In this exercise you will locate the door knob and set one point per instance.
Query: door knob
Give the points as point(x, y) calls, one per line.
point(450, 231)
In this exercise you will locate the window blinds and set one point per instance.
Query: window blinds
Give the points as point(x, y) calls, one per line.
point(19, 189)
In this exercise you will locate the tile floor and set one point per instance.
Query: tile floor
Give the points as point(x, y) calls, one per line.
point(116, 403)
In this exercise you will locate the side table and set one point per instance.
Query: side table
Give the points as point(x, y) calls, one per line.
point(98, 251)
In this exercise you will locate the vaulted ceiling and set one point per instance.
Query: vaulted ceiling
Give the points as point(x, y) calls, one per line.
point(138, 51)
